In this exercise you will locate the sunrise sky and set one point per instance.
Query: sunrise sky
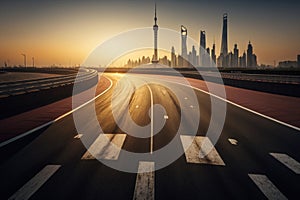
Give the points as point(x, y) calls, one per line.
point(65, 32)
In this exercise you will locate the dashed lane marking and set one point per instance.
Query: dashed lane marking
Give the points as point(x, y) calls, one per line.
point(266, 186)
point(35, 183)
point(106, 147)
point(287, 161)
point(193, 153)
point(144, 185)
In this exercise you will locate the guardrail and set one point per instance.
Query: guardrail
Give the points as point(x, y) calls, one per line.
point(21, 96)
point(283, 84)
point(27, 86)
point(272, 78)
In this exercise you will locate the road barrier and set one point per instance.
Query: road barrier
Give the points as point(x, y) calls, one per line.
point(20, 96)
point(276, 84)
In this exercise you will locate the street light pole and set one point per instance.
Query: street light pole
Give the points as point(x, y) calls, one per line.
point(24, 55)
point(32, 61)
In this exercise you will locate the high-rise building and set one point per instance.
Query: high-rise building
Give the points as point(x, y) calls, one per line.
point(250, 55)
point(254, 60)
point(183, 42)
point(173, 57)
point(190, 59)
point(207, 59)
point(203, 39)
point(213, 55)
point(298, 60)
point(184, 54)
point(155, 29)
point(202, 48)
point(235, 56)
point(242, 62)
point(220, 60)
point(179, 61)
point(164, 61)
point(194, 56)
point(230, 59)
point(224, 43)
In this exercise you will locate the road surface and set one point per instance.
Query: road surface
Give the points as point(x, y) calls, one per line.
point(254, 157)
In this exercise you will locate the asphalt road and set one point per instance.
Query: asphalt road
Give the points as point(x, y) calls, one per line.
point(254, 157)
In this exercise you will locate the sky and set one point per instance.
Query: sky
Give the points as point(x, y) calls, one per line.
point(66, 32)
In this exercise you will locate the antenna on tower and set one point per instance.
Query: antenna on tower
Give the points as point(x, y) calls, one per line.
point(155, 18)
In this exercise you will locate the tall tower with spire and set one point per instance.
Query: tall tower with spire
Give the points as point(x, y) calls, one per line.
point(202, 48)
point(250, 55)
point(183, 42)
point(224, 43)
point(155, 29)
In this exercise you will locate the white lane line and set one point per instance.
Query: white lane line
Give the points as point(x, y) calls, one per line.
point(193, 153)
point(35, 183)
point(233, 141)
point(55, 120)
point(237, 105)
point(106, 147)
point(151, 110)
point(266, 186)
point(78, 136)
point(244, 108)
point(287, 161)
point(144, 185)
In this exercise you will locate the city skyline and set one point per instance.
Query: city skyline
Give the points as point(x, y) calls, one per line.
point(65, 33)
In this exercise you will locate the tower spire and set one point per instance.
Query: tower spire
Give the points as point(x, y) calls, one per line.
point(155, 18)
point(155, 29)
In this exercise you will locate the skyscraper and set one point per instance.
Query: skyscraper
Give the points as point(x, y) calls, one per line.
point(224, 43)
point(244, 59)
point(254, 60)
point(202, 48)
point(250, 55)
point(173, 57)
point(203, 39)
point(213, 55)
point(230, 59)
point(155, 29)
point(235, 56)
point(184, 54)
point(194, 56)
point(190, 59)
point(183, 42)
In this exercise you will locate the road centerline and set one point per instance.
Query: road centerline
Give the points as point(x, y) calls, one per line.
point(144, 186)
point(152, 121)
